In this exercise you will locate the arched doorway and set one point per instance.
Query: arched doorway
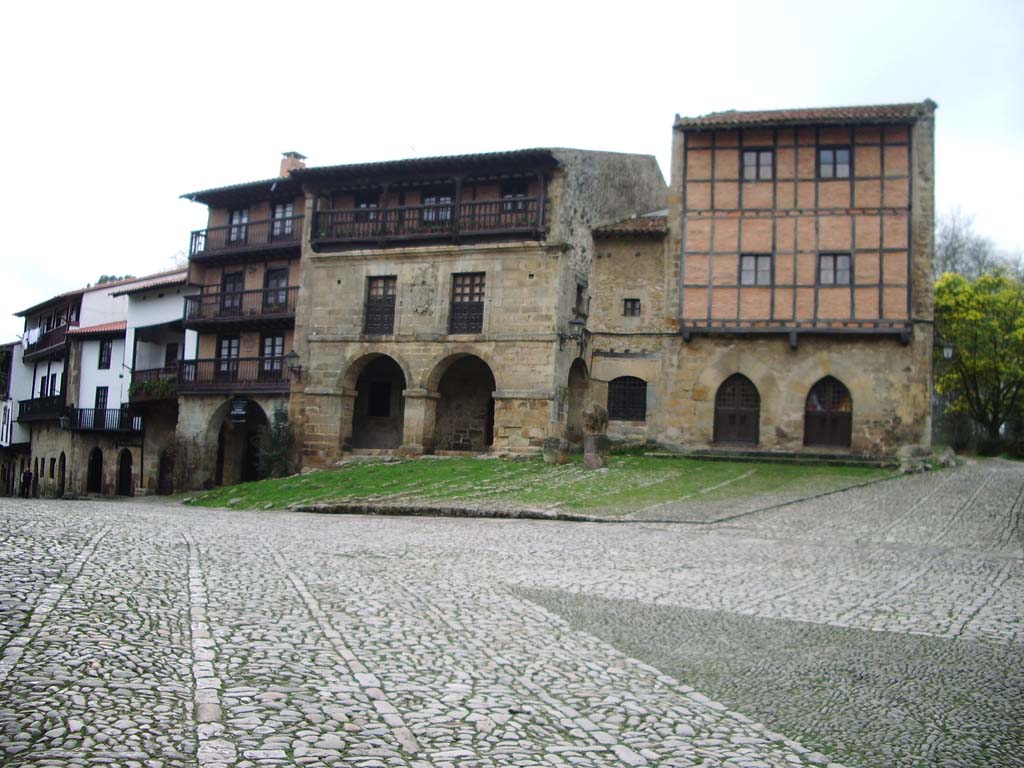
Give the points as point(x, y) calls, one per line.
point(94, 474)
point(737, 411)
point(62, 468)
point(465, 410)
point(627, 399)
point(243, 428)
point(828, 414)
point(378, 415)
point(124, 473)
point(165, 475)
point(579, 387)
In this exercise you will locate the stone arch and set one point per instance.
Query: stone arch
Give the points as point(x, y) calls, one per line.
point(828, 414)
point(94, 472)
point(354, 367)
point(737, 411)
point(465, 384)
point(378, 413)
point(237, 434)
point(62, 474)
point(433, 375)
point(578, 391)
point(125, 484)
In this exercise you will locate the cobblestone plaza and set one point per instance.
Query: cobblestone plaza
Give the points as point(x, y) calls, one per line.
point(878, 626)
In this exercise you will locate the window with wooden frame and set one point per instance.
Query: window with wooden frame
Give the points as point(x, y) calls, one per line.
point(513, 195)
point(380, 305)
point(238, 221)
point(756, 269)
point(834, 163)
point(627, 399)
point(232, 285)
point(271, 356)
point(631, 307)
point(275, 289)
point(100, 403)
point(757, 164)
point(467, 307)
point(834, 269)
point(366, 204)
point(282, 219)
point(437, 206)
point(106, 352)
point(228, 348)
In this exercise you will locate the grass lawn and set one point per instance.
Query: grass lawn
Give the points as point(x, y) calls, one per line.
point(630, 483)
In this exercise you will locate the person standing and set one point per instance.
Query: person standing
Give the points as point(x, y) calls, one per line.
point(26, 483)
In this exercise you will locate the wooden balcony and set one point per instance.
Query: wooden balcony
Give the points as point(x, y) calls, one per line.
point(41, 408)
point(104, 420)
point(271, 307)
point(266, 237)
point(238, 374)
point(154, 384)
point(49, 343)
point(444, 222)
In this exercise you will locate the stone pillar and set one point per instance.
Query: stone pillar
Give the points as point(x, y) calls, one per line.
point(325, 424)
point(420, 420)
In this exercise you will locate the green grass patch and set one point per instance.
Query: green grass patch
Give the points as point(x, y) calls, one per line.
point(630, 483)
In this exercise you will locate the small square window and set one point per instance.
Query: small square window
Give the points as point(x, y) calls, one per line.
point(834, 163)
point(756, 269)
point(757, 164)
point(631, 307)
point(834, 269)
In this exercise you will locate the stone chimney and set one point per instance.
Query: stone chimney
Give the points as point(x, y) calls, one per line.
point(291, 161)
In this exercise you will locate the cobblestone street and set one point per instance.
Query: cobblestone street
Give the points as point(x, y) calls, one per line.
point(139, 633)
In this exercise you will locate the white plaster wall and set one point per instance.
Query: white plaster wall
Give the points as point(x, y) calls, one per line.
point(114, 378)
point(161, 305)
point(21, 389)
point(43, 369)
point(99, 307)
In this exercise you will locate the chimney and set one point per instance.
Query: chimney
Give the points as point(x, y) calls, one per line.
point(291, 161)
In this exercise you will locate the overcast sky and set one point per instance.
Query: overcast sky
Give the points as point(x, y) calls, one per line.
point(114, 110)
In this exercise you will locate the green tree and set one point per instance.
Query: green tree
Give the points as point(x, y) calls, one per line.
point(276, 450)
point(984, 320)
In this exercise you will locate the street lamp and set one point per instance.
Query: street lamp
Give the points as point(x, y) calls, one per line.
point(292, 360)
point(947, 350)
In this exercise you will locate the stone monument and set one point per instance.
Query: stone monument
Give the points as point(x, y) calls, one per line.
point(595, 439)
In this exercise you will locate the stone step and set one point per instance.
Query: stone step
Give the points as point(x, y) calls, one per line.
point(782, 457)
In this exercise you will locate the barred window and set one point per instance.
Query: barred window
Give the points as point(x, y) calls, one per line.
point(631, 307)
point(834, 163)
point(467, 309)
point(380, 305)
point(757, 164)
point(627, 399)
point(834, 269)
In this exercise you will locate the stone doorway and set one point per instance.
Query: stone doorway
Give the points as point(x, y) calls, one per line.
point(62, 469)
point(378, 415)
point(124, 473)
point(240, 437)
point(94, 474)
point(465, 410)
point(578, 390)
point(737, 411)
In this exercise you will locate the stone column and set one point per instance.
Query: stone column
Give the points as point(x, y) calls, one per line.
point(326, 424)
point(420, 420)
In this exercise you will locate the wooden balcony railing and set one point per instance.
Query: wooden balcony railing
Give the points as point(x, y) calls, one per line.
point(440, 221)
point(253, 235)
point(242, 305)
point(104, 420)
point(41, 408)
point(230, 374)
point(154, 384)
point(52, 338)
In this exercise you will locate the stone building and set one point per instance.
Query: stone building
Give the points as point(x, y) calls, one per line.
point(784, 299)
point(444, 299)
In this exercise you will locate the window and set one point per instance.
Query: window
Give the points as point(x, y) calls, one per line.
point(275, 290)
point(231, 287)
point(467, 309)
point(828, 414)
point(53, 467)
point(238, 229)
point(272, 357)
point(43, 386)
point(834, 269)
point(53, 385)
point(757, 164)
point(437, 207)
point(627, 399)
point(227, 357)
point(282, 217)
point(513, 193)
point(171, 355)
point(631, 307)
point(380, 305)
point(755, 269)
point(106, 350)
point(581, 299)
point(366, 204)
point(101, 399)
point(834, 163)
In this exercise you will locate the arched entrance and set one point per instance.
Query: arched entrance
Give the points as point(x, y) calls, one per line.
point(165, 475)
point(62, 469)
point(579, 388)
point(465, 410)
point(828, 414)
point(737, 411)
point(124, 473)
point(243, 428)
point(94, 475)
point(379, 411)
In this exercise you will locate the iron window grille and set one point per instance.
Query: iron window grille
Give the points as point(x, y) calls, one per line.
point(631, 307)
point(467, 307)
point(380, 305)
point(834, 269)
point(755, 269)
point(834, 163)
point(627, 399)
point(758, 164)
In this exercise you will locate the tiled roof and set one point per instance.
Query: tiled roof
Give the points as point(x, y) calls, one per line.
point(99, 330)
point(440, 163)
point(881, 113)
point(160, 280)
point(654, 224)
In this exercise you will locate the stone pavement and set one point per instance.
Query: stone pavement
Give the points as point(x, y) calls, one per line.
point(136, 633)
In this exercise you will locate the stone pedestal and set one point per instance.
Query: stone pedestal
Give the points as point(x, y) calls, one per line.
point(595, 451)
point(556, 450)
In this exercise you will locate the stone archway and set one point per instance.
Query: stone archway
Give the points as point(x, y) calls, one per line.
point(125, 486)
point(242, 427)
point(465, 407)
point(62, 476)
point(578, 390)
point(94, 473)
point(378, 414)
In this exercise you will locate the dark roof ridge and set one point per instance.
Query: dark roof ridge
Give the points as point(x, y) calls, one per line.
point(904, 112)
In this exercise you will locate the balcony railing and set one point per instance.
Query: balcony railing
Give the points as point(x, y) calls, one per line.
point(154, 384)
point(51, 338)
point(41, 408)
point(104, 420)
point(242, 305)
point(232, 374)
point(253, 235)
point(440, 221)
